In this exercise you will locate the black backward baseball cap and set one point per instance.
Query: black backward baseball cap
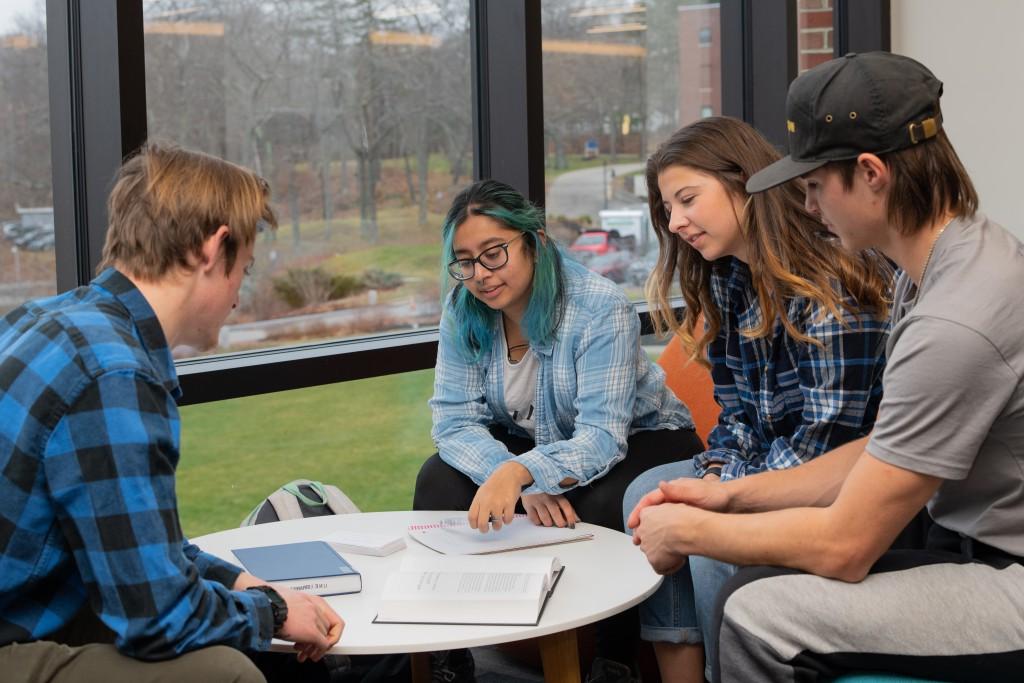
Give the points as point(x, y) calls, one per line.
point(873, 102)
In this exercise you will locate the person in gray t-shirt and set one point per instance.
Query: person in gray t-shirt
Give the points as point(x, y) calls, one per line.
point(865, 134)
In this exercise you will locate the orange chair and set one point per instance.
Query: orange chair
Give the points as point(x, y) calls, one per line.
point(691, 383)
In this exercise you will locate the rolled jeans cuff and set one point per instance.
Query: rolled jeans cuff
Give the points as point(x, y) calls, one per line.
point(670, 634)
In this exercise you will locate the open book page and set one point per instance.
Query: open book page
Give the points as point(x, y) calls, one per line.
point(475, 590)
point(454, 536)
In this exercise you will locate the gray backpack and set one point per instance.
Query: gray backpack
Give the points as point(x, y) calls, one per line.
point(300, 498)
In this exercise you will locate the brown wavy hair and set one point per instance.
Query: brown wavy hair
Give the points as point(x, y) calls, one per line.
point(789, 257)
point(928, 180)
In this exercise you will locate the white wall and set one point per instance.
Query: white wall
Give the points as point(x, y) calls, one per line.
point(976, 48)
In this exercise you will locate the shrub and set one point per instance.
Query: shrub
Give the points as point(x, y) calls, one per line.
point(304, 286)
point(345, 285)
point(374, 278)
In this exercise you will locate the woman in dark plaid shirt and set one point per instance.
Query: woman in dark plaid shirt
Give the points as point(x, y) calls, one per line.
point(793, 331)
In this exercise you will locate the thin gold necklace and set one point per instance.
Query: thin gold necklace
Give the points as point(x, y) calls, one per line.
point(928, 258)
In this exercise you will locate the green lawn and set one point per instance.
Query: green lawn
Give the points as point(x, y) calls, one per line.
point(404, 247)
point(369, 437)
point(411, 260)
point(436, 163)
point(395, 225)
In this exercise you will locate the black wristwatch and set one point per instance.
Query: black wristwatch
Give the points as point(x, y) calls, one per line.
point(278, 607)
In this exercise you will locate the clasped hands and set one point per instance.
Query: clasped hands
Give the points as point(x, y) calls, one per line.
point(312, 625)
point(494, 504)
point(666, 520)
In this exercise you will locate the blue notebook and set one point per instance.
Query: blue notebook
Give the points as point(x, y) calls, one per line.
point(310, 566)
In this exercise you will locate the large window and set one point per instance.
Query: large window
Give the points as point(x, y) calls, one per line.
point(365, 116)
point(618, 79)
point(332, 101)
point(369, 437)
point(359, 115)
point(27, 266)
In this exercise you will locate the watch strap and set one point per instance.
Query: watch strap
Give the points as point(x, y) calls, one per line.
point(278, 607)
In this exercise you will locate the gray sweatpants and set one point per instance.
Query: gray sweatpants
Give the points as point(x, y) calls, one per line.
point(929, 614)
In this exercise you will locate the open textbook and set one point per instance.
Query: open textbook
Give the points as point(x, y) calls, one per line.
point(507, 590)
point(454, 536)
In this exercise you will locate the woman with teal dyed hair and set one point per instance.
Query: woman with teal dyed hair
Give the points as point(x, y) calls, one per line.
point(544, 401)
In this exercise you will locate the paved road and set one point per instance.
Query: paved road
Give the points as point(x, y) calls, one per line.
point(411, 312)
point(578, 193)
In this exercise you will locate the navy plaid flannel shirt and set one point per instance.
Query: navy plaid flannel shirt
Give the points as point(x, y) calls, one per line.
point(89, 441)
point(785, 401)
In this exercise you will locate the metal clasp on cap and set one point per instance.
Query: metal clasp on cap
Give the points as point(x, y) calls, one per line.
point(922, 130)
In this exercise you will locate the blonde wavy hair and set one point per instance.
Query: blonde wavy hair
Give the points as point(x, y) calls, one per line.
point(166, 201)
point(789, 256)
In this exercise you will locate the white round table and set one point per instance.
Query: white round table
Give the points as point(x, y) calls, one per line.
point(602, 577)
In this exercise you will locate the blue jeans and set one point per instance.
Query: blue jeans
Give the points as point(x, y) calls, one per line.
point(682, 608)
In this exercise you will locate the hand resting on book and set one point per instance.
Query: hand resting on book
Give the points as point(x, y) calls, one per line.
point(494, 504)
point(544, 509)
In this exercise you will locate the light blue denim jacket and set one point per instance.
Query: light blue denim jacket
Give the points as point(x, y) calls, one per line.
point(595, 387)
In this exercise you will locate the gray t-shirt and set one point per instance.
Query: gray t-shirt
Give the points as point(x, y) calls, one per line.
point(953, 403)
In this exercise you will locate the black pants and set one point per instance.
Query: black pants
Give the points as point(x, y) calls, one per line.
point(439, 486)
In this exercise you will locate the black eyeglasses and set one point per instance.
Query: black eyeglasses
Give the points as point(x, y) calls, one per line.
point(490, 258)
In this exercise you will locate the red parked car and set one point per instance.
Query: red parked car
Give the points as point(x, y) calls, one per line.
point(614, 265)
point(598, 242)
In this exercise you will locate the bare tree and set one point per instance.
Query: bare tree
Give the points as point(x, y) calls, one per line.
point(587, 94)
point(25, 177)
point(306, 85)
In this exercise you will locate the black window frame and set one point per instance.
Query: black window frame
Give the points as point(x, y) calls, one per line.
point(97, 120)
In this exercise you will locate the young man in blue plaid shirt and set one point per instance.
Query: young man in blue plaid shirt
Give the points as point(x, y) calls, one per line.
point(96, 580)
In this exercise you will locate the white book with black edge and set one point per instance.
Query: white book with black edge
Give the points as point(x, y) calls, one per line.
point(309, 566)
point(492, 590)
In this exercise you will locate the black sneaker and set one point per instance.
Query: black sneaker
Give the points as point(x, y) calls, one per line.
point(609, 671)
point(452, 666)
point(394, 668)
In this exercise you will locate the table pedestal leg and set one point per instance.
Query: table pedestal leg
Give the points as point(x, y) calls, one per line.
point(420, 662)
point(560, 657)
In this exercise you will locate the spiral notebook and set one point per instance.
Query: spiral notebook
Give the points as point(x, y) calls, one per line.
point(454, 536)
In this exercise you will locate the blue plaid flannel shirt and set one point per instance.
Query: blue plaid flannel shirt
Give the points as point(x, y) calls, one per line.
point(89, 439)
point(785, 402)
point(595, 387)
